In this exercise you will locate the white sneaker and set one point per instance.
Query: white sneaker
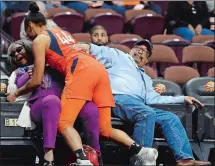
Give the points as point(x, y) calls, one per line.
point(84, 162)
point(146, 156)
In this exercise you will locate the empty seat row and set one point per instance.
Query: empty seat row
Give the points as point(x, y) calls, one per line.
point(142, 22)
point(199, 57)
point(171, 40)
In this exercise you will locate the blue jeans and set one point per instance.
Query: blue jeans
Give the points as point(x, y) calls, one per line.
point(51, 6)
point(187, 34)
point(82, 7)
point(119, 9)
point(144, 118)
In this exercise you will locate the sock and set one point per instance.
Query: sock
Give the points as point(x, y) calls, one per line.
point(80, 154)
point(135, 148)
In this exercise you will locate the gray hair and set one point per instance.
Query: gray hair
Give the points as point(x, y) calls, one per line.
point(28, 47)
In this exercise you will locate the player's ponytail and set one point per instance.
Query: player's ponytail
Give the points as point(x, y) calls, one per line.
point(33, 7)
point(34, 16)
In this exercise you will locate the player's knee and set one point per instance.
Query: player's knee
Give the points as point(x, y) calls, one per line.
point(106, 130)
point(63, 125)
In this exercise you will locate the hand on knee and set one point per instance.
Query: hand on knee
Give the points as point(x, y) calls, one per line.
point(105, 132)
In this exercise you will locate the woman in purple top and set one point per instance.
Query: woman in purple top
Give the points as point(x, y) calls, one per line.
point(44, 101)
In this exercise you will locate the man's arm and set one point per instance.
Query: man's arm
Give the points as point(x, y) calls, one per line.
point(103, 54)
point(152, 97)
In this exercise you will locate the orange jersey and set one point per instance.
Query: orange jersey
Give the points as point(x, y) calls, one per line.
point(60, 54)
point(85, 79)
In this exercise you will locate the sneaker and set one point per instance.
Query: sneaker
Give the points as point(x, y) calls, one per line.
point(146, 156)
point(84, 162)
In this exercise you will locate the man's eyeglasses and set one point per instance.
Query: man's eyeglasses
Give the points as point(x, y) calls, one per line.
point(18, 50)
point(143, 51)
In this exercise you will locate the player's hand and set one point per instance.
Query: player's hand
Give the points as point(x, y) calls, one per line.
point(193, 101)
point(83, 47)
point(30, 73)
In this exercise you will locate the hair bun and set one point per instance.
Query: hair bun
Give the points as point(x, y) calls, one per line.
point(33, 7)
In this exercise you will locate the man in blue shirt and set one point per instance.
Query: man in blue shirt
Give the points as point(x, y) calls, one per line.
point(133, 90)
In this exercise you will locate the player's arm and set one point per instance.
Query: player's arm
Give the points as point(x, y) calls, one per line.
point(39, 46)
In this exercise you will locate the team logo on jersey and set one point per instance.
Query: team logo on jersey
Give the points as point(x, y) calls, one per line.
point(209, 86)
point(160, 88)
point(3, 87)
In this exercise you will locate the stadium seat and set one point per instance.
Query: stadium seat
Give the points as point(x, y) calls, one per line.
point(9, 115)
point(123, 48)
point(163, 5)
point(92, 12)
point(211, 72)
point(202, 38)
point(16, 21)
point(161, 38)
point(177, 46)
point(150, 72)
point(162, 57)
point(203, 89)
point(113, 23)
point(16, 145)
point(53, 11)
point(198, 57)
point(210, 43)
point(129, 42)
point(147, 25)
point(82, 37)
point(180, 74)
point(77, 20)
point(177, 43)
point(117, 38)
point(125, 39)
point(131, 14)
point(168, 88)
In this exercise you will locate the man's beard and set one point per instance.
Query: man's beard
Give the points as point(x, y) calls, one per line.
point(101, 44)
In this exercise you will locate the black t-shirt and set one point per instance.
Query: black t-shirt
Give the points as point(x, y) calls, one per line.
point(181, 14)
